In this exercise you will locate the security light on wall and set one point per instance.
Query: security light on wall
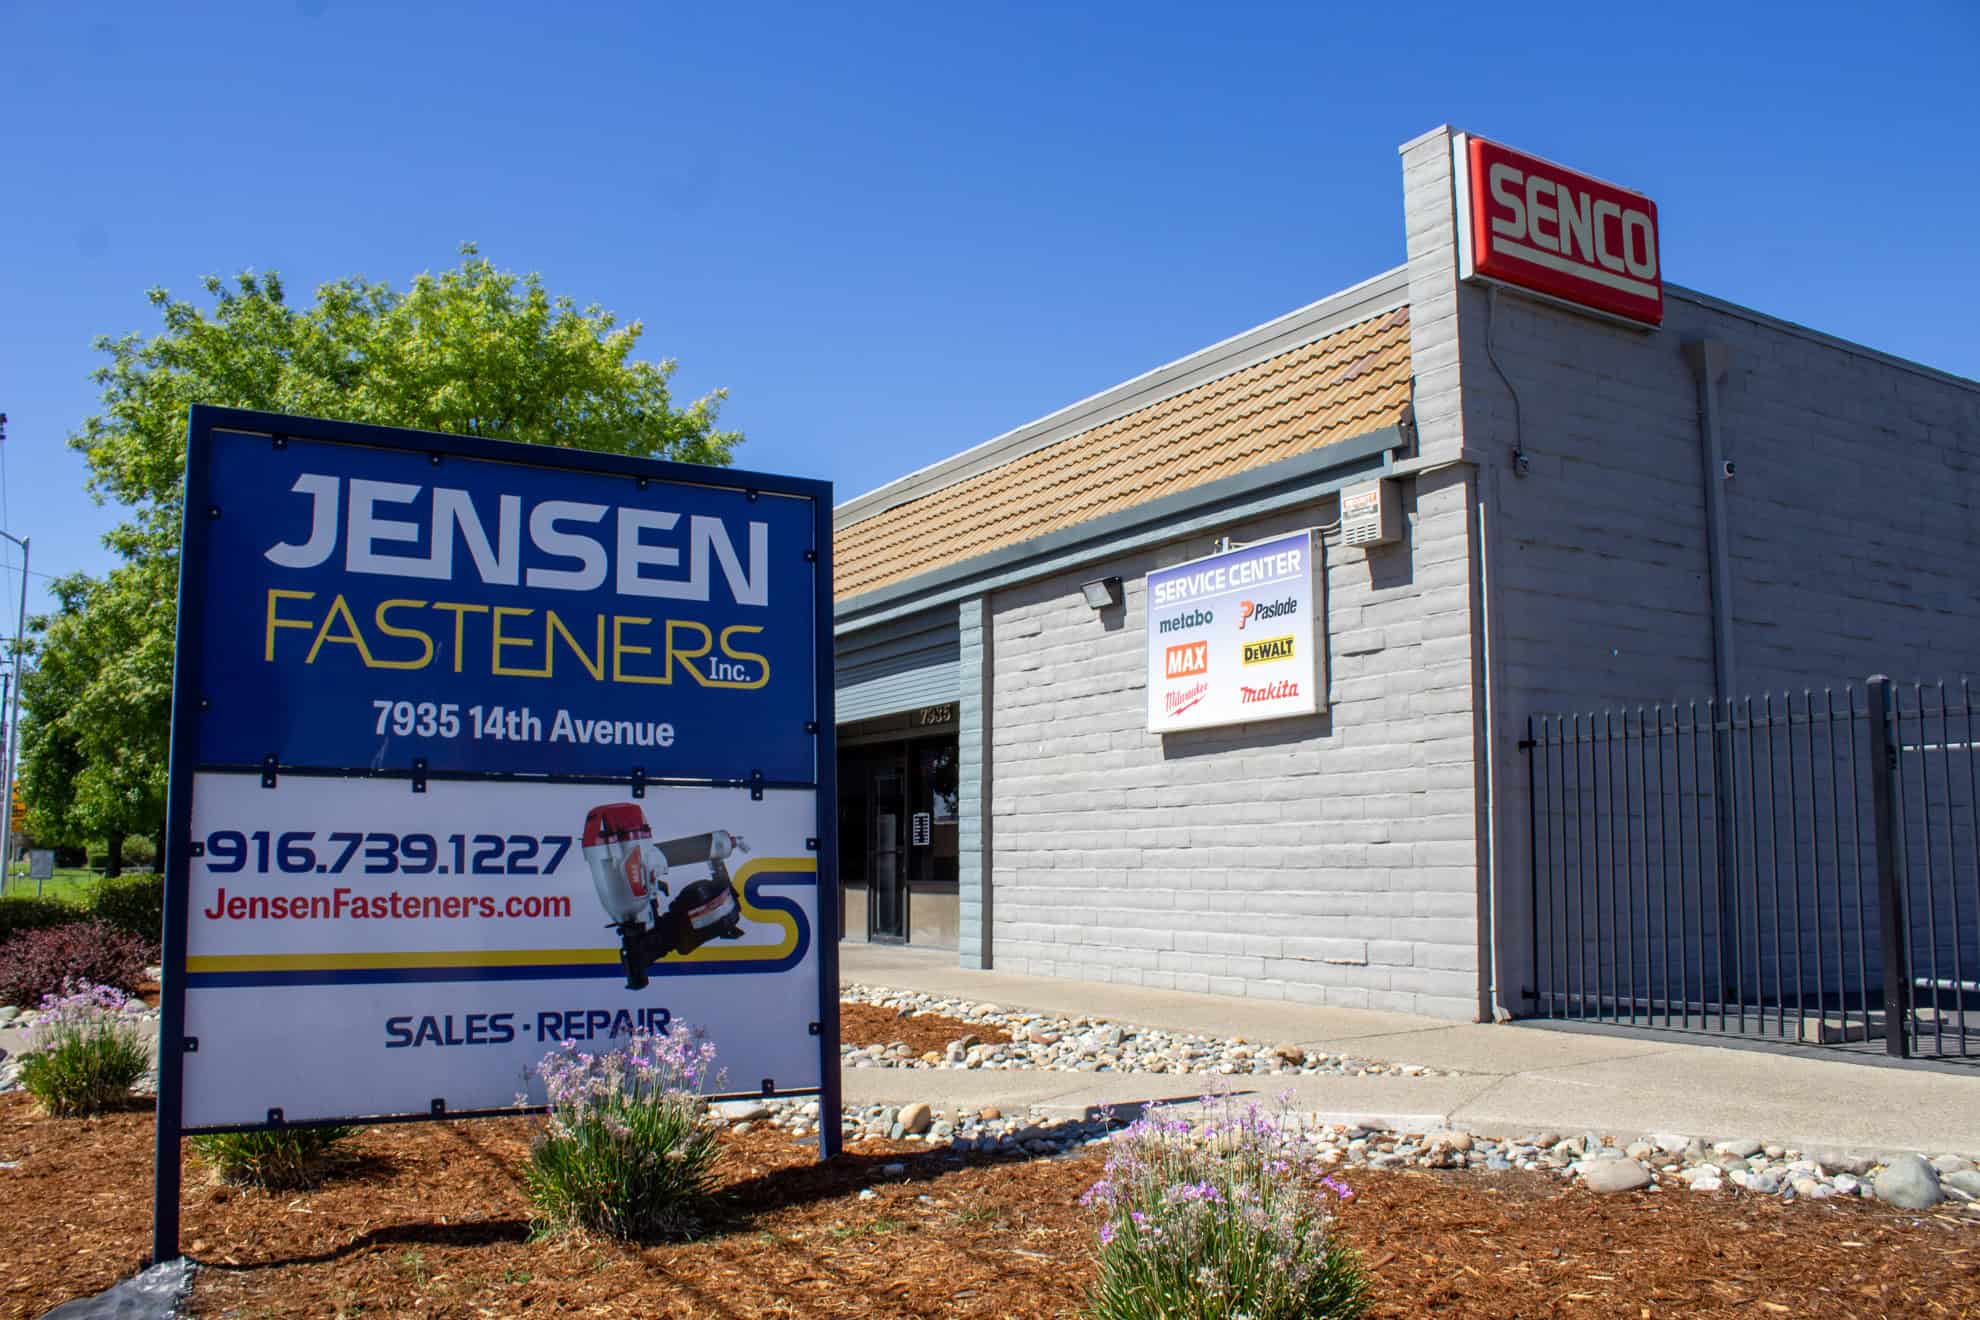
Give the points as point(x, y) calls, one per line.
point(1102, 592)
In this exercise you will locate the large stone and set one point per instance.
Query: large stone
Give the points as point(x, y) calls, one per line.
point(1842, 1161)
point(1739, 1147)
point(1909, 1183)
point(1669, 1142)
point(916, 1118)
point(1967, 1180)
point(1615, 1176)
point(7, 1014)
point(741, 1111)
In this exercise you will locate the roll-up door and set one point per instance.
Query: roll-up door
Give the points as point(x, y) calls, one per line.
point(897, 666)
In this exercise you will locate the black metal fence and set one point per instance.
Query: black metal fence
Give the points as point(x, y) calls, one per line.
point(1803, 867)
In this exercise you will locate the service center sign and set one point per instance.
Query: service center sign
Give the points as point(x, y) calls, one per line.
point(482, 751)
point(1539, 226)
point(1234, 638)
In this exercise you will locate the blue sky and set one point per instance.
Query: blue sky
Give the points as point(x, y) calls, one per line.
point(894, 231)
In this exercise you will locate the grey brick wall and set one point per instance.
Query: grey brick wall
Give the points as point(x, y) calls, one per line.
point(1329, 859)
point(1853, 522)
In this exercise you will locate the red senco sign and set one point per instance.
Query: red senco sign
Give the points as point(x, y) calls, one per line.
point(1531, 223)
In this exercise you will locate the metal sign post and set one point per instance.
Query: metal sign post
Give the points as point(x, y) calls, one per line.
point(480, 749)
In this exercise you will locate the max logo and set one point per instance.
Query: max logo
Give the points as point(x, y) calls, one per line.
point(1185, 660)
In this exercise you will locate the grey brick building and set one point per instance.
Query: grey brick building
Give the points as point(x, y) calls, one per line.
point(1594, 514)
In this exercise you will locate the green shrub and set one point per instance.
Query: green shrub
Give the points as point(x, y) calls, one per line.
point(628, 1149)
point(134, 904)
point(139, 850)
point(1225, 1216)
point(20, 912)
point(84, 1053)
point(281, 1159)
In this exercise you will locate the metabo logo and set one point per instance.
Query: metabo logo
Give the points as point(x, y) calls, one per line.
point(1265, 609)
point(1186, 660)
point(1265, 652)
point(1183, 622)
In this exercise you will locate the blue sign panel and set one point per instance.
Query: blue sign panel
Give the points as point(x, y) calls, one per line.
point(467, 607)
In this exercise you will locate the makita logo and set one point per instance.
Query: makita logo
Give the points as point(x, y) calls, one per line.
point(1179, 701)
point(1193, 619)
point(1278, 691)
point(1265, 609)
point(1187, 660)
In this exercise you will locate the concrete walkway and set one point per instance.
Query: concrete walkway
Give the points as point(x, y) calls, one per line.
point(1510, 1080)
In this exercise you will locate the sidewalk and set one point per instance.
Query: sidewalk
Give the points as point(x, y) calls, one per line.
point(1511, 1080)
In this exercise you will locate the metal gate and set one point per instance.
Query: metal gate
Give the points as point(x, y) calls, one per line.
point(1800, 867)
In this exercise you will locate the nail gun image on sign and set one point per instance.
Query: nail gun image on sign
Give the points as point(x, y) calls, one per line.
point(1232, 638)
point(484, 750)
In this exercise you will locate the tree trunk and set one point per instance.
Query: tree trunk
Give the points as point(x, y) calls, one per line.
point(114, 863)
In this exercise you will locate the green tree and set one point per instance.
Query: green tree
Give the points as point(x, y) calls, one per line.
point(472, 350)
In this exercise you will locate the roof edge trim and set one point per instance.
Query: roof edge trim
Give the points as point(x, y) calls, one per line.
point(1822, 337)
point(1358, 302)
point(1299, 478)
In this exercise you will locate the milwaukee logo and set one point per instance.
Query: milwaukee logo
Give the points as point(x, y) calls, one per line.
point(1187, 660)
point(1533, 223)
point(1179, 701)
point(1183, 622)
point(1278, 691)
point(1274, 648)
point(1265, 609)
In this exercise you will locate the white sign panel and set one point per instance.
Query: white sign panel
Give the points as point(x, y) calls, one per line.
point(356, 948)
point(1235, 637)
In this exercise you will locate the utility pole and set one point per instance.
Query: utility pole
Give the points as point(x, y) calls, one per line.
point(11, 755)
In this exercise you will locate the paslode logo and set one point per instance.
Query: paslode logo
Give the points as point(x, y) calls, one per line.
point(1265, 609)
point(1184, 661)
point(1185, 621)
point(1268, 650)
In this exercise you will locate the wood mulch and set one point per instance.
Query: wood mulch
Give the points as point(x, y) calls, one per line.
point(868, 1024)
point(431, 1219)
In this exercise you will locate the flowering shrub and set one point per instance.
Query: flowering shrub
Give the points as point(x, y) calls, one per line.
point(42, 962)
point(1226, 1216)
point(628, 1149)
point(281, 1159)
point(84, 1053)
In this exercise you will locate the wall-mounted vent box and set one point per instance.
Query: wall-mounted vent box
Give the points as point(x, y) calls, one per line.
point(1371, 514)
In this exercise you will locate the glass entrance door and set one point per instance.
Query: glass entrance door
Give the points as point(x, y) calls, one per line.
point(886, 868)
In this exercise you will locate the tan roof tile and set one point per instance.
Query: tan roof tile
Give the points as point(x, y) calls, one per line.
point(1342, 385)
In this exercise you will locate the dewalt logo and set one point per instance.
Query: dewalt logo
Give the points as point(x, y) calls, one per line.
point(1268, 650)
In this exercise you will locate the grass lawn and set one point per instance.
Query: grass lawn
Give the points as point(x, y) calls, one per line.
point(70, 883)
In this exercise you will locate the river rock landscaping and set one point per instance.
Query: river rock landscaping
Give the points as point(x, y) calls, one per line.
point(432, 1219)
point(992, 1037)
